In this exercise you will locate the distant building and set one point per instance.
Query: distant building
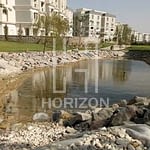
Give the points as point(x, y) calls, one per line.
point(141, 37)
point(93, 23)
point(146, 37)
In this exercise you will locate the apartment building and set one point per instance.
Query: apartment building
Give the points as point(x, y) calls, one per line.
point(87, 23)
point(7, 17)
point(146, 37)
point(93, 23)
point(27, 12)
point(141, 37)
point(22, 14)
point(108, 26)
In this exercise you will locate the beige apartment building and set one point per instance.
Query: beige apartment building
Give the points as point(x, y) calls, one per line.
point(108, 26)
point(7, 16)
point(93, 23)
point(22, 14)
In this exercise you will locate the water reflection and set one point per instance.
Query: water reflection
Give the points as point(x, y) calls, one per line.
point(117, 79)
point(121, 70)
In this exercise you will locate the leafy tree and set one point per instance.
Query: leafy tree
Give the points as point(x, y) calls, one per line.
point(59, 25)
point(123, 34)
point(20, 32)
point(133, 39)
point(52, 24)
point(43, 22)
point(118, 35)
point(126, 34)
point(6, 32)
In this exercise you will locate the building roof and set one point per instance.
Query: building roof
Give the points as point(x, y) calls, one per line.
point(92, 11)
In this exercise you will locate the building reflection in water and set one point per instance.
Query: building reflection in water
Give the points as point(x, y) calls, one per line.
point(28, 98)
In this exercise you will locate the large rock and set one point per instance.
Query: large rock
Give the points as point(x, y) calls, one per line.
point(123, 103)
point(142, 116)
point(80, 121)
point(84, 116)
point(61, 115)
point(140, 132)
point(40, 117)
point(122, 115)
point(101, 118)
point(56, 116)
point(139, 101)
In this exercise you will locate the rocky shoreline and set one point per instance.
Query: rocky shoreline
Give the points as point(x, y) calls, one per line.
point(122, 126)
point(16, 63)
point(12, 64)
point(139, 55)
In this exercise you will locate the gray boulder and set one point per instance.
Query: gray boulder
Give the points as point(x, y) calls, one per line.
point(139, 101)
point(40, 117)
point(123, 114)
point(140, 132)
point(101, 118)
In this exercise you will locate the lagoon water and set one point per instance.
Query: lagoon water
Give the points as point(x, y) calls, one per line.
point(111, 80)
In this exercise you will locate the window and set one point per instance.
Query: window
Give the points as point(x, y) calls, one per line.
point(91, 23)
point(52, 10)
point(98, 24)
point(5, 11)
point(92, 16)
point(42, 6)
point(35, 16)
point(97, 17)
point(35, 3)
point(27, 31)
point(107, 24)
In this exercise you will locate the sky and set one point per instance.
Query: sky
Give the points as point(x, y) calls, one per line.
point(136, 13)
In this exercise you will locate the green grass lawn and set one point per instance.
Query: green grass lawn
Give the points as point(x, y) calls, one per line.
point(139, 48)
point(6, 46)
point(19, 47)
point(103, 45)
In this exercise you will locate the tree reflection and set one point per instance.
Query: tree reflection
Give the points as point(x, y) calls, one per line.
point(121, 70)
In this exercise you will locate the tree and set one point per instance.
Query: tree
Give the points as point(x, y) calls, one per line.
point(123, 34)
point(6, 32)
point(54, 24)
point(43, 22)
point(59, 25)
point(133, 39)
point(126, 34)
point(20, 32)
